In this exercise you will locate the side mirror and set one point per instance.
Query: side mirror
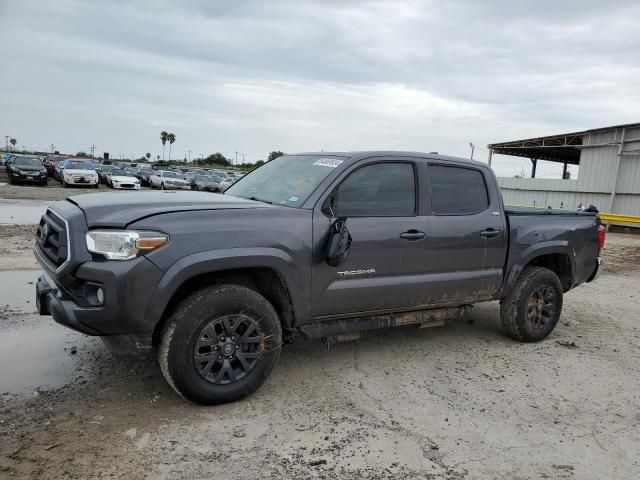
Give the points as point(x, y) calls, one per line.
point(338, 244)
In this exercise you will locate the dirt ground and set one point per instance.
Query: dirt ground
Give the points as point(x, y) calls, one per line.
point(16, 243)
point(454, 402)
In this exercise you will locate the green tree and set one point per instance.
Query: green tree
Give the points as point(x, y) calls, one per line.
point(13, 142)
point(148, 155)
point(274, 155)
point(172, 138)
point(164, 136)
point(82, 154)
point(218, 159)
point(259, 162)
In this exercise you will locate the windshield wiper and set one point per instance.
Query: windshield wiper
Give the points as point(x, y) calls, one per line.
point(256, 199)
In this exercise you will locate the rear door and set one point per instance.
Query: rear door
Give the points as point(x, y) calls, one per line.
point(387, 260)
point(466, 237)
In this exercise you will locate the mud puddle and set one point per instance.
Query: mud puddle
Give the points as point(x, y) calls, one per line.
point(18, 290)
point(21, 211)
point(37, 355)
point(35, 352)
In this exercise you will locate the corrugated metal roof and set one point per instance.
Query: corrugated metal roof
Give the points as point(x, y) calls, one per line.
point(562, 148)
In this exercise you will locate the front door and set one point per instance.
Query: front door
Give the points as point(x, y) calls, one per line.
point(388, 259)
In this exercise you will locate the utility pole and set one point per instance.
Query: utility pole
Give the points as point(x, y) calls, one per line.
point(92, 148)
point(236, 162)
point(243, 158)
point(189, 156)
point(52, 148)
point(473, 147)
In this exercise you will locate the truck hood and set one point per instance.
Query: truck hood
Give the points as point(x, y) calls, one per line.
point(117, 210)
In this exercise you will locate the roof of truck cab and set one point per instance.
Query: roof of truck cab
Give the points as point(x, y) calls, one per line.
point(358, 155)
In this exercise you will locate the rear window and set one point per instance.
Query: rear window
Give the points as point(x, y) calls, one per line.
point(457, 190)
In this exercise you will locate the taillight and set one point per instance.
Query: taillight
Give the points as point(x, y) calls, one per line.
point(601, 235)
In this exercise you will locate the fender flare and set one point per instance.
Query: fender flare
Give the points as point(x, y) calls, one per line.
point(533, 251)
point(228, 259)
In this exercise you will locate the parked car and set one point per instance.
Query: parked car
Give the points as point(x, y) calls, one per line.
point(78, 172)
point(123, 179)
point(190, 176)
point(145, 173)
point(25, 169)
point(166, 180)
point(207, 183)
point(104, 171)
point(325, 245)
point(226, 183)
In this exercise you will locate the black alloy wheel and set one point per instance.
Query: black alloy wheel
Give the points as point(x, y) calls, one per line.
point(541, 307)
point(227, 349)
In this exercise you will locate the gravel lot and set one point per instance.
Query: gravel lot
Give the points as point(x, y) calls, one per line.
point(453, 402)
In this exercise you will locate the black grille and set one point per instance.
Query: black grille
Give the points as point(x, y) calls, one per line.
point(51, 237)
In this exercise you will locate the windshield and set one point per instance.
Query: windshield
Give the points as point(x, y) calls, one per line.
point(203, 178)
point(121, 173)
point(170, 175)
point(287, 180)
point(28, 162)
point(107, 168)
point(77, 165)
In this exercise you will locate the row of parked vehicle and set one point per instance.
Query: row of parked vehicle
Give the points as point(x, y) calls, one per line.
point(117, 175)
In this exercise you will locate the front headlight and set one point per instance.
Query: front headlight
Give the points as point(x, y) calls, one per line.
point(123, 244)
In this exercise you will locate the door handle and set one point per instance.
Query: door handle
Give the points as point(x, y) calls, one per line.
point(489, 232)
point(412, 235)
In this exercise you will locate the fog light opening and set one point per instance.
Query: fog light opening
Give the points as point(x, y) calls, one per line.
point(100, 295)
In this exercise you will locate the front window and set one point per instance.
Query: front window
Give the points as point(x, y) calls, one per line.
point(28, 162)
point(380, 189)
point(121, 173)
point(73, 165)
point(288, 180)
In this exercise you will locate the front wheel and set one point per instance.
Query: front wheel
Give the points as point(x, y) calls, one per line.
point(220, 344)
point(531, 311)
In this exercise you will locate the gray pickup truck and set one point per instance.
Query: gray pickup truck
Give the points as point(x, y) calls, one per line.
point(314, 245)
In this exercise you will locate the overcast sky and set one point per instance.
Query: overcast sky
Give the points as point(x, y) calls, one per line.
point(255, 76)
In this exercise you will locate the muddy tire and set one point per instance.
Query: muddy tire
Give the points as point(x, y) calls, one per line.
point(220, 344)
point(531, 311)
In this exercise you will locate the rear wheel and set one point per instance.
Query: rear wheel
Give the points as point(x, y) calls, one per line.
point(531, 311)
point(220, 344)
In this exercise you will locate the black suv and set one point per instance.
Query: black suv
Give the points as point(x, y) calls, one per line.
point(27, 170)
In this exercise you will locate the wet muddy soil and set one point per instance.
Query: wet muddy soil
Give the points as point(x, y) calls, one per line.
point(452, 402)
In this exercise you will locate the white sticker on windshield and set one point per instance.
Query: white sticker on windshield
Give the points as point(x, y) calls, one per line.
point(328, 162)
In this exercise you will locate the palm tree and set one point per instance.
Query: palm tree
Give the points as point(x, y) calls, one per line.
point(13, 142)
point(148, 155)
point(172, 138)
point(164, 136)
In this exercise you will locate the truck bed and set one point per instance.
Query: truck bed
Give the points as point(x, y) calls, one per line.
point(546, 211)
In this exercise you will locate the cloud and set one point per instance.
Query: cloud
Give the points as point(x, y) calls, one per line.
point(254, 76)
